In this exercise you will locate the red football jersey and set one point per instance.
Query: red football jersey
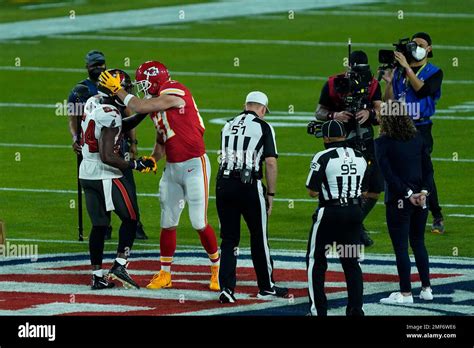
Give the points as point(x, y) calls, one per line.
point(182, 128)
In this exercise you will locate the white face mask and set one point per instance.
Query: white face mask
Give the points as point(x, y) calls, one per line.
point(419, 53)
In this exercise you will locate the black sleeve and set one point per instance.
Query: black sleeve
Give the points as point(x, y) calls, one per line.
point(431, 85)
point(394, 183)
point(427, 169)
point(324, 98)
point(131, 122)
point(269, 144)
point(316, 173)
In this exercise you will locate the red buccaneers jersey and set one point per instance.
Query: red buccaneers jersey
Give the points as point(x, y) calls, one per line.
point(182, 128)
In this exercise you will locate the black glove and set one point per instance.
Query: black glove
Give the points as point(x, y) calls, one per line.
point(144, 164)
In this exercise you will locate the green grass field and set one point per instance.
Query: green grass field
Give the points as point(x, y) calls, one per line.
point(48, 215)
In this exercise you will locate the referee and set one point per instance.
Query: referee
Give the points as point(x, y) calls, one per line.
point(336, 176)
point(246, 141)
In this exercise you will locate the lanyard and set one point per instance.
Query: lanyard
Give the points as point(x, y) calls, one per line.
point(406, 77)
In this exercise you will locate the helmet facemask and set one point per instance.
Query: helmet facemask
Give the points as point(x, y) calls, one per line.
point(141, 89)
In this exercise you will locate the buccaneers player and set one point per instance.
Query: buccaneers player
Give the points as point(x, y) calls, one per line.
point(180, 131)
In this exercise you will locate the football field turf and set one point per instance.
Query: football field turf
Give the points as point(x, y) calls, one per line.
point(221, 61)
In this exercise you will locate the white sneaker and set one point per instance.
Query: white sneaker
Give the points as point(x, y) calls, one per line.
point(426, 294)
point(397, 298)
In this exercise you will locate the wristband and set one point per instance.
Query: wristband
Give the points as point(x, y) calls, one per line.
point(272, 194)
point(126, 100)
point(425, 192)
point(372, 113)
point(132, 164)
point(409, 193)
point(74, 138)
point(331, 116)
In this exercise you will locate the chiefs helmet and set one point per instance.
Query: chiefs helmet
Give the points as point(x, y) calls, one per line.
point(150, 76)
point(125, 82)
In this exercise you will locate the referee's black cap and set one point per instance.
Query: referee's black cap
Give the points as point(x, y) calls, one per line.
point(333, 129)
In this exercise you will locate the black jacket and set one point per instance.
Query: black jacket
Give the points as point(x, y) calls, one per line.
point(405, 165)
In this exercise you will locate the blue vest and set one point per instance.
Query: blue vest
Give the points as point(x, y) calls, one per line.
point(427, 105)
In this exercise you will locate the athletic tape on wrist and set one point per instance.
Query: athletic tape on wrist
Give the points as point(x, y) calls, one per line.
point(126, 100)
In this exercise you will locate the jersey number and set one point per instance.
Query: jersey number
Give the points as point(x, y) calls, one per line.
point(235, 129)
point(89, 137)
point(346, 169)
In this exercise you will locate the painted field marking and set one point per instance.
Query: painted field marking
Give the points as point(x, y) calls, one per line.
point(245, 41)
point(159, 15)
point(206, 74)
point(289, 154)
point(286, 200)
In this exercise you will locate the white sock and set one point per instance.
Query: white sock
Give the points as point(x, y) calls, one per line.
point(166, 268)
point(98, 273)
point(121, 261)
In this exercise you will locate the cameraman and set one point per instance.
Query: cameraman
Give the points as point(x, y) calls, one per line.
point(415, 81)
point(332, 106)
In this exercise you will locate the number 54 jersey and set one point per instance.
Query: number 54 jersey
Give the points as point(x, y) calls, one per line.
point(97, 116)
point(182, 129)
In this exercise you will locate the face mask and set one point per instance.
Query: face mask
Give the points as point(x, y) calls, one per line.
point(419, 53)
point(94, 73)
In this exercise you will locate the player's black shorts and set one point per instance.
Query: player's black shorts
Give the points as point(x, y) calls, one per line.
point(123, 197)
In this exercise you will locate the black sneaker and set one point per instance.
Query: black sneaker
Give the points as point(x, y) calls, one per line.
point(274, 292)
point(119, 272)
point(140, 232)
point(365, 239)
point(438, 226)
point(99, 283)
point(108, 234)
point(226, 296)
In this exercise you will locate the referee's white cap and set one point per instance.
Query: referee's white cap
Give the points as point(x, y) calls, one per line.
point(257, 97)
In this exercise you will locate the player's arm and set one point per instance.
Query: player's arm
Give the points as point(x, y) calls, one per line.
point(76, 101)
point(129, 123)
point(106, 149)
point(108, 155)
point(159, 148)
point(161, 103)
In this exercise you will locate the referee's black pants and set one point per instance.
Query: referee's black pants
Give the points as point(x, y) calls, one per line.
point(235, 199)
point(407, 223)
point(340, 225)
point(433, 203)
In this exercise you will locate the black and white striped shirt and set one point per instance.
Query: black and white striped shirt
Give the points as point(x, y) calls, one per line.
point(337, 172)
point(246, 141)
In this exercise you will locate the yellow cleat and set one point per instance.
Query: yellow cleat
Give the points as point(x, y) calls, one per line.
point(160, 280)
point(214, 285)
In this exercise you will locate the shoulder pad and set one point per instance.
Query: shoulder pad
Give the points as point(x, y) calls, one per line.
point(80, 93)
point(107, 116)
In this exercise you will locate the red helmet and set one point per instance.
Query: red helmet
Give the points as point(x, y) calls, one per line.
point(150, 76)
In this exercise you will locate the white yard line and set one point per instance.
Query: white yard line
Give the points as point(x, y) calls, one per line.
point(207, 74)
point(286, 200)
point(406, 14)
point(160, 15)
point(289, 154)
point(259, 42)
